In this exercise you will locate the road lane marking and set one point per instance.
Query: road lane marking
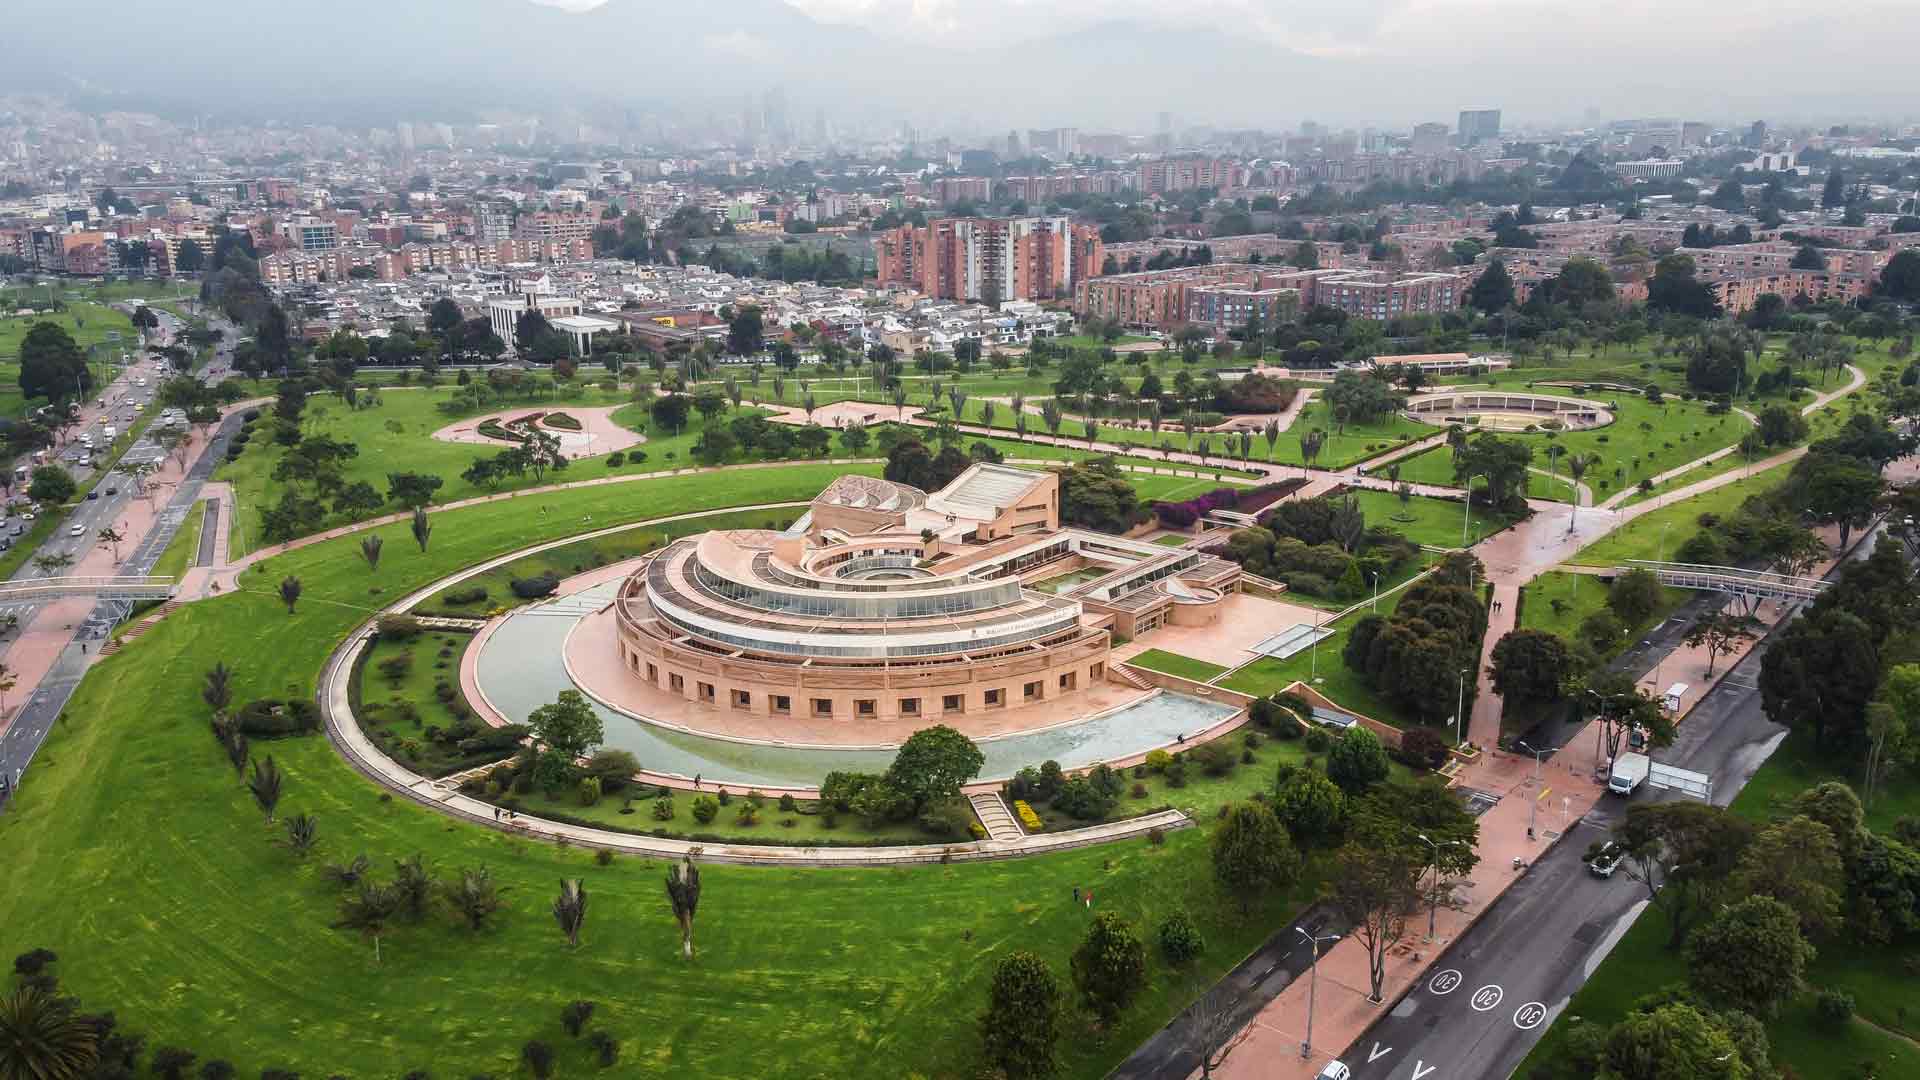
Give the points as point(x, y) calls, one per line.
point(1528, 1016)
point(1445, 982)
point(1486, 997)
point(1421, 1068)
point(1377, 1053)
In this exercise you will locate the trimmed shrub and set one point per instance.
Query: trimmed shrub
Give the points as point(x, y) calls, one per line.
point(463, 597)
point(271, 718)
point(1180, 940)
point(705, 809)
point(535, 587)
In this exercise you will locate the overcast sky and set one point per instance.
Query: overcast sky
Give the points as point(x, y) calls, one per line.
point(1545, 59)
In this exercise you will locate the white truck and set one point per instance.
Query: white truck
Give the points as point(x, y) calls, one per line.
point(1629, 772)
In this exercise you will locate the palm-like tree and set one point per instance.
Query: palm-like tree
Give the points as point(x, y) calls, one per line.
point(900, 401)
point(1051, 415)
point(290, 592)
point(303, 831)
point(42, 1039)
point(474, 895)
point(370, 909)
point(266, 783)
point(987, 410)
point(218, 691)
point(683, 892)
point(350, 872)
point(1577, 467)
point(1093, 431)
point(370, 551)
point(111, 537)
point(422, 529)
point(1271, 433)
point(570, 909)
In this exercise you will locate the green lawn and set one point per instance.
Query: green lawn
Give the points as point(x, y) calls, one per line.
point(1643, 441)
point(1434, 521)
point(1657, 533)
point(380, 700)
point(1270, 674)
point(1185, 667)
point(1578, 596)
point(133, 852)
point(88, 323)
point(182, 551)
point(584, 555)
point(397, 436)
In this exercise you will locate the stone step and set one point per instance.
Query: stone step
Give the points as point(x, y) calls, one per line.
point(995, 816)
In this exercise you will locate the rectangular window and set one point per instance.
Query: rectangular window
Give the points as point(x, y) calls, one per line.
point(742, 699)
point(864, 707)
point(677, 684)
point(653, 674)
point(996, 699)
point(1033, 691)
point(1068, 681)
point(909, 706)
point(706, 692)
point(823, 706)
point(781, 703)
point(953, 703)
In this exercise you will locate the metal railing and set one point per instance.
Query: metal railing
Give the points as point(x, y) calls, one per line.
point(104, 587)
point(1759, 584)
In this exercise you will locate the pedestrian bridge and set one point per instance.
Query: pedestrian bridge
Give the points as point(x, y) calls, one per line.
point(1752, 585)
point(99, 587)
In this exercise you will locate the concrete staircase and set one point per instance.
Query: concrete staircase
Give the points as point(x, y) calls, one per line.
point(993, 814)
point(1129, 676)
point(114, 645)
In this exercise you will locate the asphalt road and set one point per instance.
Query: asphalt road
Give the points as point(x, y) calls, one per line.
point(1493, 993)
point(42, 703)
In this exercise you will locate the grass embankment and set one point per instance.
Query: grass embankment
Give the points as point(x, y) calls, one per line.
point(1643, 441)
point(1559, 602)
point(1321, 668)
point(1656, 533)
point(183, 550)
point(135, 854)
point(583, 555)
point(1186, 667)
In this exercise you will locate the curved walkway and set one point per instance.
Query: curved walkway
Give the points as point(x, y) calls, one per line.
point(442, 795)
point(598, 433)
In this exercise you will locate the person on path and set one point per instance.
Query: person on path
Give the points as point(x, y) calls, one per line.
point(696, 781)
point(1076, 894)
point(1089, 899)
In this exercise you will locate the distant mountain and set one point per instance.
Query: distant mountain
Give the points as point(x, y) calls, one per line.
point(357, 57)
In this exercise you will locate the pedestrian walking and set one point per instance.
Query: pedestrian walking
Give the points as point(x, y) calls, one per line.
point(1089, 899)
point(1076, 894)
point(696, 781)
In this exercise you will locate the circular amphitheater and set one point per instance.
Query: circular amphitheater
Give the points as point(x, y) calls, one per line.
point(1496, 410)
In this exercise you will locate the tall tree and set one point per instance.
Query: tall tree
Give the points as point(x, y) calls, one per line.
point(570, 909)
point(1683, 854)
point(1021, 1024)
point(1252, 853)
point(265, 784)
point(370, 551)
point(1492, 291)
point(370, 909)
point(44, 1038)
point(683, 892)
point(1110, 966)
point(1750, 956)
point(421, 527)
point(290, 592)
point(933, 763)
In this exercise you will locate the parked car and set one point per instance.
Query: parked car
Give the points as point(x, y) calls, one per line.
point(1605, 859)
point(94, 494)
point(1334, 1070)
point(77, 530)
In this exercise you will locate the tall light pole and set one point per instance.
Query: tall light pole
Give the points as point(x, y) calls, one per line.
point(1433, 897)
point(1466, 513)
point(1313, 984)
point(1533, 800)
point(1460, 707)
point(1314, 658)
point(1376, 591)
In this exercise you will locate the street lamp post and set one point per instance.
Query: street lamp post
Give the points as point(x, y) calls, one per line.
point(1376, 591)
point(1460, 707)
point(1533, 800)
point(1433, 897)
point(1313, 984)
point(1314, 657)
point(1466, 513)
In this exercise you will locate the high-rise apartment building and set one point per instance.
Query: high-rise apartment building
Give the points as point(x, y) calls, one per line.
point(1478, 126)
point(1429, 139)
point(989, 259)
point(1185, 174)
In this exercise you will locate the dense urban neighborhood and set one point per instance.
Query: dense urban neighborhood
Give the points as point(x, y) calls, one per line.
point(537, 578)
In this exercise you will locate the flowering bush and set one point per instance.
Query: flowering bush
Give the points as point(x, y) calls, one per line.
point(1028, 819)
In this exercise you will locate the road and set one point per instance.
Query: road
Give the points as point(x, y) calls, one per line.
point(1495, 991)
point(41, 703)
point(1256, 981)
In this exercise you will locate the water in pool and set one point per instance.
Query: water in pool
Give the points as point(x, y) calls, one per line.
point(520, 669)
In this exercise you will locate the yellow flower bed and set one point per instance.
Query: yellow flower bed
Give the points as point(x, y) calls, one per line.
point(1028, 818)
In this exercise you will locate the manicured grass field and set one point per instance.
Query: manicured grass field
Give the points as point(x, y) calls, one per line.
point(583, 555)
point(1185, 667)
point(135, 854)
point(1435, 521)
point(1578, 596)
point(1624, 452)
point(1657, 533)
point(182, 550)
point(1270, 674)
